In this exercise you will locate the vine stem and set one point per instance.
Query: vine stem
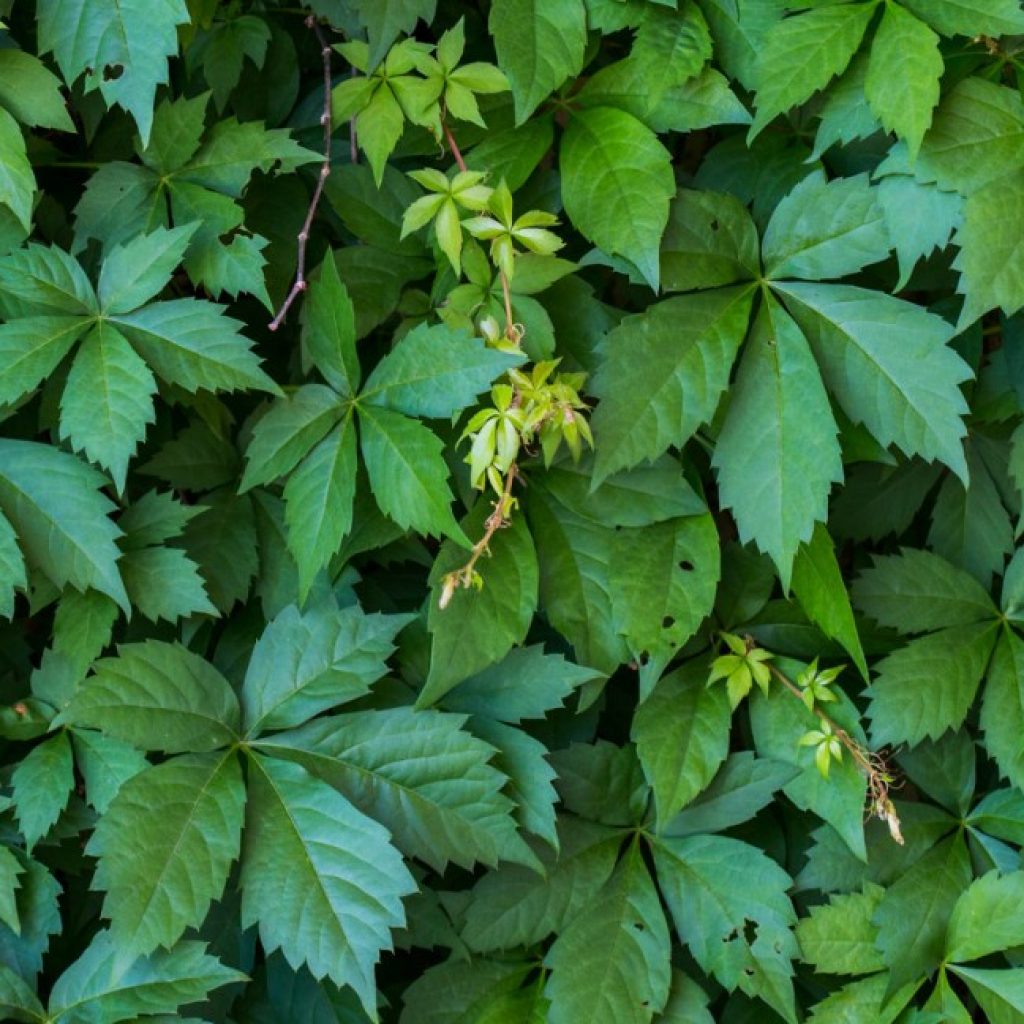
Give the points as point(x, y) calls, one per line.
point(453, 146)
point(495, 521)
point(300, 284)
point(871, 765)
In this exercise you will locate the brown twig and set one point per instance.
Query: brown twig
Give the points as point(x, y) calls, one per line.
point(299, 284)
point(453, 146)
point(495, 521)
point(872, 765)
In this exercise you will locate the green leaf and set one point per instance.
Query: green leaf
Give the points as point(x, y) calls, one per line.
point(928, 686)
point(714, 885)
point(682, 736)
point(914, 912)
point(335, 908)
point(124, 51)
point(970, 17)
point(779, 489)
point(887, 363)
point(539, 45)
point(916, 591)
point(408, 474)
point(839, 937)
point(985, 919)
point(671, 46)
point(471, 989)
point(710, 241)
point(778, 722)
point(12, 568)
point(479, 627)
point(663, 375)
point(137, 271)
point(18, 1000)
point(108, 400)
point(44, 280)
point(920, 218)
point(222, 541)
point(420, 773)
point(663, 579)
point(990, 264)
point(611, 964)
point(42, 785)
point(165, 846)
point(970, 525)
point(106, 765)
point(525, 684)
point(1002, 708)
point(819, 587)
point(164, 583)
point(515, 906)
point(386, 19)
point(573, 555)
point(158, 696)
point(191, 343)
point(825, 229)
point(17, 183)
point(616, 185)
point(329, 330)
point(305, 664)
point(31, 92)
point(31, 349)
point(801, 54)
point(741, 788)
point(902, 85)
point(1000, 993)
point(289, 430)
point(435, 371)
point(318, 502)
point(54, 503)
point(101, 986)
point(602, 782)
point(844, 116)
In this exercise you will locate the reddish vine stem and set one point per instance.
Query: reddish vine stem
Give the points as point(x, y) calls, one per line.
point(299, 285)
point(453, 146)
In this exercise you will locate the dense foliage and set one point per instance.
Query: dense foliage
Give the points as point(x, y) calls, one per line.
point(508, 511)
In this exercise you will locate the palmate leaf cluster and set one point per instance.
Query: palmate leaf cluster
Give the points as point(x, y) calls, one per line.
point(335, 688)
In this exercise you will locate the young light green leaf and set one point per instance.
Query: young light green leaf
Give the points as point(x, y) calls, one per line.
point(158, 696)
point(664, 373)
point(616, 185)
point(779, 488)
point(334, 911)
point(165, 847)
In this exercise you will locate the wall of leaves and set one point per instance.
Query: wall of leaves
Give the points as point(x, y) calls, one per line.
point(508, 511)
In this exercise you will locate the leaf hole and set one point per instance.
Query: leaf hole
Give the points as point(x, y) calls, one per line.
point(686, 566)
point(668, 622)
point(112, 72)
